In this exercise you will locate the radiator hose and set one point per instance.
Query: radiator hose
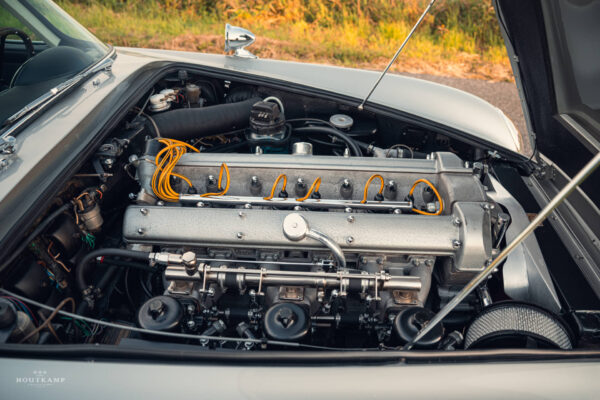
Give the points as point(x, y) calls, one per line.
point(191, 123)
point(86, 261)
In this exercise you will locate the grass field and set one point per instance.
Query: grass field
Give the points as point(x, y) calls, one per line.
point(459, 38)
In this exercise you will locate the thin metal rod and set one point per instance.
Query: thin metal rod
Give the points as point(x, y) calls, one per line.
point(362, 105)
point(482, 276)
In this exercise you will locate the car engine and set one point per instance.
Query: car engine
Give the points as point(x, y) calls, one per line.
point(233, 216)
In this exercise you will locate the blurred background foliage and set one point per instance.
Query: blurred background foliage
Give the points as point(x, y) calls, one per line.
point(458, 38)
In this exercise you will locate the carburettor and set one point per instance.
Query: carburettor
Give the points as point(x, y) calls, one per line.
point(373, 250)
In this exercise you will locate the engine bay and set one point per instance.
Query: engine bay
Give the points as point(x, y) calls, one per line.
point(235, 216)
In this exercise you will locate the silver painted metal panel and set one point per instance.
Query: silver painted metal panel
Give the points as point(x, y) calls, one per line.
point(117, 380)
point(525, 273)
point(432, 101)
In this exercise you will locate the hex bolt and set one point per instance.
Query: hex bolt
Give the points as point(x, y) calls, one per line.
point(144, 211)
point(241, 214)
point(160, 203)
point(140, 231)
point(247, 206)
point(191, 324)
point(212, 180)
point(132, 196)
point(487, 206)
point(350, 218)
point(456, 244)
point(156, 308)
point(349, 239)
point(300, 187)
point(346, 189)
point(254, 180)
point(191, 309)
point(348, 210)
point(200, 204)
point(239, 235)
point(456, 222)
point(397, 211)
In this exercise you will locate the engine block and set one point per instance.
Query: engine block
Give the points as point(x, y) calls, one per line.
point(333, 244)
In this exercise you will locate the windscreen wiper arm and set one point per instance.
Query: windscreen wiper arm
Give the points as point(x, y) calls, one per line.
point(46, 98)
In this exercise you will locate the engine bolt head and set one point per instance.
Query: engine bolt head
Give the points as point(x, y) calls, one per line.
point(191, 323)
point(200, 204)
point(397, 211)
point(456, 244)
point(160, 203)
point(241, 214)
point(349, 239)
point(239, 235)
point(346, 182)
point(254, 179)
point(132, 196)
point(348, 210)
point(350, 218)
point(456, 222)
point(247, 206)
point(297, 208)
point(191, 308)
point(144, 211)
point(140, 231)
point(487, 206)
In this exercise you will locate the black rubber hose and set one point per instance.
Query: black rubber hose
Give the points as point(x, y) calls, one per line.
point(192, 123)
point(39, 229)
point(331, 131)
point(85, 262)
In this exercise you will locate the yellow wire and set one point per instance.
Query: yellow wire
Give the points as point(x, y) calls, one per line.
point(165, 161)
point(224, 191)
point(314, 187)
point(437, 194)
point(269, 197)
point(366, 190)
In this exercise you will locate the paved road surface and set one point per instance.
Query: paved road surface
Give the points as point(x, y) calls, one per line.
point(503, 95)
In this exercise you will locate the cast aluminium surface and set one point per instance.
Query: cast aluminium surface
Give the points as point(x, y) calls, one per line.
point(469, 243)
point(557, 200)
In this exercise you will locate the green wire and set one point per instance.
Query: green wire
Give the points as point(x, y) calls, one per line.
point(80, 324)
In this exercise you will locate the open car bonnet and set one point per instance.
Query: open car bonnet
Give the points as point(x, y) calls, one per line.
point(554, 47)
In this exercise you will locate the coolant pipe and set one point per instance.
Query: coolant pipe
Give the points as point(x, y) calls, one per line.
point(192, 123)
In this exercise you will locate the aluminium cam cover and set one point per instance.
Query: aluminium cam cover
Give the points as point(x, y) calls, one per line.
point(370, 232)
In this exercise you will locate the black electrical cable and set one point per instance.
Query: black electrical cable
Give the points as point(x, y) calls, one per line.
point(172, 334)
point(349, 354)
point(85, 262)
point(143, 284)
point(36, 232)
point(334, 132)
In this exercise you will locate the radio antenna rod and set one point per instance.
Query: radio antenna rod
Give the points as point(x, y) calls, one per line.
point(362, 105)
